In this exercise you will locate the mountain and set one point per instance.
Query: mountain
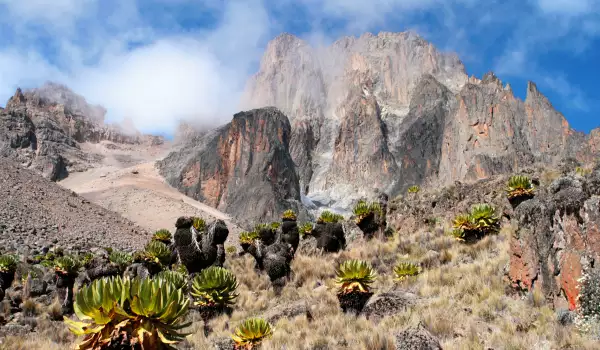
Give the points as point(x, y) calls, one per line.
point(243, 168)
point(44, 129)
point(389, 111)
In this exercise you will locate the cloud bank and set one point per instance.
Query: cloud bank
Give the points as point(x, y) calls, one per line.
point(161, 61)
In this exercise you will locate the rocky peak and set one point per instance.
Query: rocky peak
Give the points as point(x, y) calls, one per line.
point(57, 121)
point(243, 168)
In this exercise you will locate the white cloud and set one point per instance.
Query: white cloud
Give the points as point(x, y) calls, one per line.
point(138, 59)
point(196, 76)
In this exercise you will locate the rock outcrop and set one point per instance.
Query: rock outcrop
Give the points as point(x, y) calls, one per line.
point(243, 168)
point(558, 238)
point(389, 111)
point(43, 128)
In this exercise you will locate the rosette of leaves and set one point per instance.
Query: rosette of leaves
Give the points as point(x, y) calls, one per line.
point(180, 268)
point(120, 259)
point(519, 186)
point(251, 333)
point(214, 287)
point(354, 276)
point(248, 237)
point(463, 222)
point(305, 229)
point(156, 252)
point(8, 266)
point(354, 279)
point(414, 189)
point(177, 278)
point(329, 217)
point(122, 313)
point(67, 266)
point(362, 210)
point(289, 215)
point(163, 235)
point(483, 216)
point(199, 224)
point(403, 270)
point(85, 259)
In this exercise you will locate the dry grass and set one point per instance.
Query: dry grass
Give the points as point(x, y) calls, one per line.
point(463, 301)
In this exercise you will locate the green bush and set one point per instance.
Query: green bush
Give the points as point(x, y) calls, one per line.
point(148, 312)
point(329, 217)
point(519, 186)
point(251, 333)
point(354, 276)
point(414, 189)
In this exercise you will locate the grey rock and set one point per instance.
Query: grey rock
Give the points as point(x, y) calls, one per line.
point(417, 338)
point(15, 330)
point(223, 344)
point(288, 311)
point(387, 304)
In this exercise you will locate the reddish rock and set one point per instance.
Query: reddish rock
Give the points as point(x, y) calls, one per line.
point(569, 274)
point(557, 239)
point(243, 168)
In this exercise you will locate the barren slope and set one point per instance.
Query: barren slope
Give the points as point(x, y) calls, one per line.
point(128, 183)
point(36, 212)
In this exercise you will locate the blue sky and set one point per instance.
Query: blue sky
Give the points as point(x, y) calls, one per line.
point(158, 60)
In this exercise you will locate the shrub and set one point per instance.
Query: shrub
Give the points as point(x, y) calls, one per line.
point(484, 217)
point(8, 263)
point(289, 215)
point(272, 226)
point(231, 250)
point(121, 259)
point(251, 333)
point(214, 287)
point(67, 265)
point(363, 209)
point(481, 220)
point(305, 228)
point(248, 237)
point(354, 275)
point(582, 171)
point(519, 186)
point(163, 235)
point(85, 259)
point(116, 312)
point(177, 278)
point(155, 252)
point(329, 217)
point(414, 189)
point(199, 224)
point(405, 269)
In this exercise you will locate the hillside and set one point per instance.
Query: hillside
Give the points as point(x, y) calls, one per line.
point(494, 293)
point(36, 213)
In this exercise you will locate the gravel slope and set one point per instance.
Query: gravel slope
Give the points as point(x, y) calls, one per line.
point(35, 212)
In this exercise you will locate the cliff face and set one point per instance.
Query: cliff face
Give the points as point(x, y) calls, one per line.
point(42, 129)
point(390, 111)
point(243, 168)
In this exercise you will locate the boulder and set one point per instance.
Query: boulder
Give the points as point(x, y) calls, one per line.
point(417, 338)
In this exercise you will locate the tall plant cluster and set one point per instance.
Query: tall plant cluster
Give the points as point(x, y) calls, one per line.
point(273, 246)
